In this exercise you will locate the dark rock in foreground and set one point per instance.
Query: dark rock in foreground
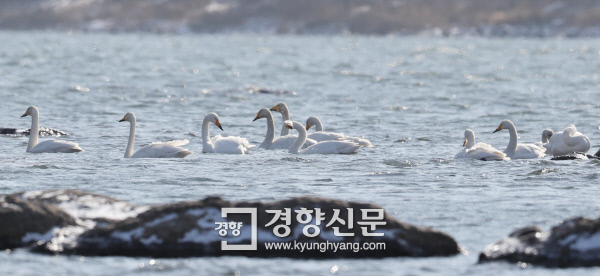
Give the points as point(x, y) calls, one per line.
point(25, 222)
point(188, 229)
point(573, 243)
point(97, 225)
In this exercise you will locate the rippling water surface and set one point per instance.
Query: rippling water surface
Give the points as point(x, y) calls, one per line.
point(413, 97)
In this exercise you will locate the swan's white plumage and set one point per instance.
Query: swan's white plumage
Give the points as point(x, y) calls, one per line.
point(229, 145)
point(47, 146)
point(54, 146)
point(169, 149)
point(321, 135)
point(514, 150)
point(272, 142)
point(528, 151)
point(285, 142)
point(569, 141)
point(222, 144)
point(479, 151)
point(326, 147)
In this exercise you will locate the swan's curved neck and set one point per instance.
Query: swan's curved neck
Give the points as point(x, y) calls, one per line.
point(34, 131)
point(569, 132)
point(512, 143)
point(318, 125)
point(131, 142)
point(470, 141)
point(295, 148)
point(207, 146)
point(545, 138)
point(270, 138)
point(285, 113)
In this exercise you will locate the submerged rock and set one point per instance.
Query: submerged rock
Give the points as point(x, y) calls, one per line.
point(188, 229)
point(25, 222)
point(577, 156)
point(572, 243)
point(43, 131)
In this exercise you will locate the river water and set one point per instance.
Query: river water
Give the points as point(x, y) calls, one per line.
point(412, 97)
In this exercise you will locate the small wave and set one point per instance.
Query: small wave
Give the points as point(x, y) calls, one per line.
point(400, 164)
point(296, 159)
point(543, 171)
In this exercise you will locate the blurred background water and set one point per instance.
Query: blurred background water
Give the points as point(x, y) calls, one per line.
point(412, 96)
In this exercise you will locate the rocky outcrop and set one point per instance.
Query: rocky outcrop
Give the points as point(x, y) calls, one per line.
point(572, 243)
point(25, 222)
point(74, 222)
point(188, 229)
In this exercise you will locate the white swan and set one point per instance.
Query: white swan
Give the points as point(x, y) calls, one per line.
point(519, 151)
point(222, 144)
point(569, 141)
point(480, 151)
point(321, 135)
point(47, 145)
point(270, 141)
point(326, 147)
point(169, 149)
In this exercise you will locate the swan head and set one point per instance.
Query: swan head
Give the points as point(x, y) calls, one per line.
point(294, 125)
point(311, 121)
point(263, 113)
point(214, 118)
point(31, 111)
point(130, 117)
point(289, 124)
point(503, 125)
point(469, 138)
point(279, 107)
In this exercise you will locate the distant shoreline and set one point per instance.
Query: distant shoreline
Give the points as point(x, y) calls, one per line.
point(508, 18)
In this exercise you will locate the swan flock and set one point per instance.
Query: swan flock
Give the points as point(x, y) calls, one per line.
point(559, 145)
point(326, 143)
point(569, 142)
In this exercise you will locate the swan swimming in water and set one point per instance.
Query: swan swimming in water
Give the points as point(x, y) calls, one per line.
point(169, 149)
point(480, 151)
point(321, 135)
point(569, 141)
point(514, 150)
point(50, 146)
point(326, 147)
point(270, 141)
point(222, 144)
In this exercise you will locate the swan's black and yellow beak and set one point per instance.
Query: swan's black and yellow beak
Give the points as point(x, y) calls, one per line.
point(24, 114)
point(274, 108)
point(219, 124)
point(307, 126)
point(257, 117)
point(498, 129)
point(289, 126)
point(465, 143)
point(123, 119)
